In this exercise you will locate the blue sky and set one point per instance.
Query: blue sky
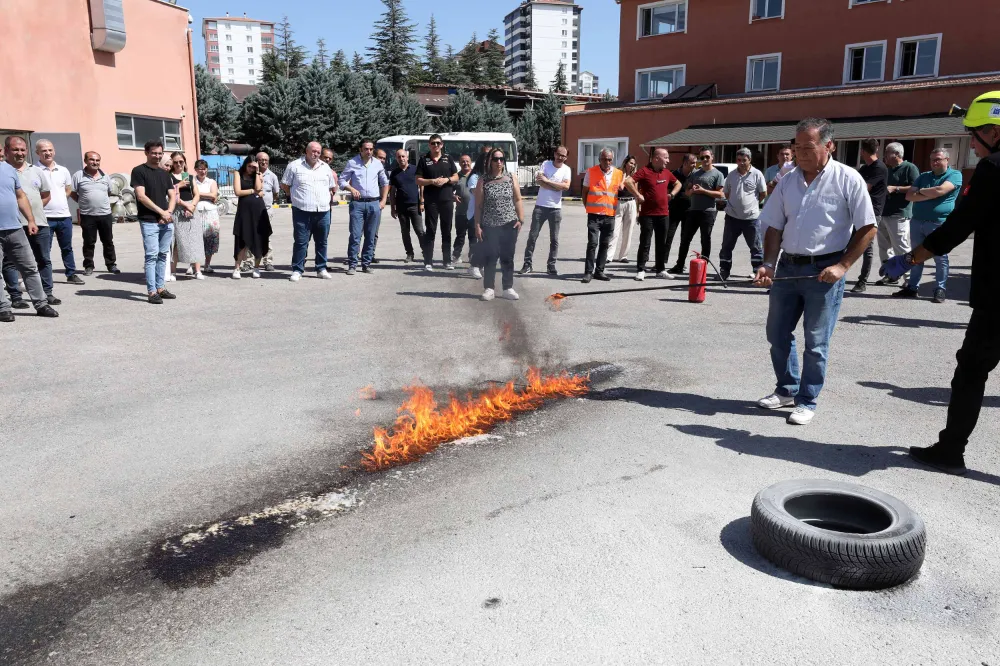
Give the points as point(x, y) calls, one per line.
point(346, 24)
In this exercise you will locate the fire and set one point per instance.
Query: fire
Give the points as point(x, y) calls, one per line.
point(505, 334)
point(366, 393)
point(555, 301)
point(421, 426)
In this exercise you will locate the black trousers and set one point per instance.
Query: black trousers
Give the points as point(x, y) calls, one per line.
point(409, 217)
point(979, 355)
point(464, 227)
point(694, 221)
point(866, 262)
point(94, 226)
point(442, 211)
point(600, 229)
point(661, 228)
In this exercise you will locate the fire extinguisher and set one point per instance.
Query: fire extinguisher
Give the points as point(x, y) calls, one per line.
point(698, 272)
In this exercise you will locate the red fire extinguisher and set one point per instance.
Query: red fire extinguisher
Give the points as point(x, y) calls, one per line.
point(698, 271)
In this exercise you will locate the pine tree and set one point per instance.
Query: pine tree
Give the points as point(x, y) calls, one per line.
point(608, 97)
point(392, 54)
point(453, 72)
point(408, 116)
point(339, 63)
point(493, 60)
point(495, 118)
point(218, 112)
point(549, 122)
point(291, 56)
point(357, 64)
point(433, 65)
point(471, 62)
point(271, 67)
point(463, 114)
point(559, 84)
point(527, 137)
point(529, 81)
point(321, 55)
point(315, 92)
point(265, 119)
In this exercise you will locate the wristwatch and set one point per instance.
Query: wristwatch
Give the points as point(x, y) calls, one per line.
point(768, 264)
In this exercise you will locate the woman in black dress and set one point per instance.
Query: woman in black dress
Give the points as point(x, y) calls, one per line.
point(252, 226)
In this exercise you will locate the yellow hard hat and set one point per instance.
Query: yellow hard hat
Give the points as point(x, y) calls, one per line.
point(984, 110)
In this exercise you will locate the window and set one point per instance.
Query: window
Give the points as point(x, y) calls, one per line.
point(212, 25)
point(863, 2)
point(250, 71)
point(249, 27)
point(213, 47)
point(249, 49)
point(564, 44)
point(589, 150)
point(655, 83)
point(565, 33)
point(249, 61)
point(864, 62)
point(266, 40)
point(564, 55)
point(763, 72)
point(230, 80)
point(662, 18)
point(229, 38)
point(565, 22)
point(249, 38)
point(232, 71)
point(918, 56)
point(229, 61)
point(765, 9)
point(135, 131)
point(227, 26)
point(215, 70)
point(229, 49)
point(214, 59)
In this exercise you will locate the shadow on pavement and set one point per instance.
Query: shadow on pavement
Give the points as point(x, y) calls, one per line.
point(687, 402)
point(436, 294)
point(851, 459)
point(927, 395)
point(114, 293)
point(132, 278)
point(735, 538)
point(902, 322)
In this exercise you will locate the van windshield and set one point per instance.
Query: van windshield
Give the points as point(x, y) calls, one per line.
point(456, 149)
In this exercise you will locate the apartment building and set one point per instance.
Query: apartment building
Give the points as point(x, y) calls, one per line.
point(541, 34)
point(99, 91)
point(234, 46)
point(729, 73)
point(589, 84)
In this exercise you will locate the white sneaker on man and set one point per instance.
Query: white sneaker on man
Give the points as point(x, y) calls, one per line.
point(775, 401)
point(509, 294)
point(256, 274)
point(663, 275)
point(295, 276)
point(428, 267)
point(170, 278)
point(474, 272)
point(236, 274)
point(801, 415)
point(640, 276)
point(488, 295)
point(324, 275)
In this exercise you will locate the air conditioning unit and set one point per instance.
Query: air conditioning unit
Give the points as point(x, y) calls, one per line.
point(107, 18)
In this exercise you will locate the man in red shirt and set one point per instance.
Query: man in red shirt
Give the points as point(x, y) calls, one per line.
point(653, 186)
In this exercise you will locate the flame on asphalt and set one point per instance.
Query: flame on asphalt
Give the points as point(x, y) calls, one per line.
point(422, 426)
point(555, 301)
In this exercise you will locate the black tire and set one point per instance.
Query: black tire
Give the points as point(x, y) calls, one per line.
point(838, 533)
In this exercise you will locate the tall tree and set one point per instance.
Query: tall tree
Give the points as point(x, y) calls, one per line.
point(453, 72)
point(527, 137)
point(529, 81)
point(315, 97)
point(494, 118)
point(339, 63)
point(462, 114)
point(549, 115)
point(471, 61)
point(392, 54)
point(433, 65)
point(559, 83)
point(408, 115)
point(291, 56)
point(218, 112)
point(608, 97)
point(322, 57)
point(357, 64)
point(265, 119)
point(493, 60)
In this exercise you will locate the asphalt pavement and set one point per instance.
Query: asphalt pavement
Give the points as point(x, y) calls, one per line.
point(181, 483)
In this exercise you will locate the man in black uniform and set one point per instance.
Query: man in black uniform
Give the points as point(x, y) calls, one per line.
point(978, 210)
point(437, 174)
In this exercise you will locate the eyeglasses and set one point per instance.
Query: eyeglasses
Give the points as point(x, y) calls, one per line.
point(499, 159)
point(561, 157)
point(437, 143)
point(704, 157)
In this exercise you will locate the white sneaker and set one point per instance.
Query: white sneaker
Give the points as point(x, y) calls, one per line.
point(488, 295)
point(801, 415)
point(256, 274)
point(476, 273)
point(510, 295)
point(428, 267)
point(295, 276)
point(663, 275)
point(775, 401)
point(324, 275)
point(170, 278)
point(640, 276)
point(199, 276)
point(190, 270)
point(236, 274)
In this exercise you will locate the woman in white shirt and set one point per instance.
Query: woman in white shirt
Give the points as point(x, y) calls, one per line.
point(206, 213)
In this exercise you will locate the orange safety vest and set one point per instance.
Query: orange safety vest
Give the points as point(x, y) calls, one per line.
point(599, 200)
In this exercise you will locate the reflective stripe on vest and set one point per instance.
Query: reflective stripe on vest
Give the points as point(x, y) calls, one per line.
point(602, 201)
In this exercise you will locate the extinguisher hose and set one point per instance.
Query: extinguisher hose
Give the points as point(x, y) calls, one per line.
point(561, 295)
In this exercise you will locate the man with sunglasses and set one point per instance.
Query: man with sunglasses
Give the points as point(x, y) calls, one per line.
point(600, 198)
point(976, 211)
point(553, 179)
point(704, 187)
point(437, 174)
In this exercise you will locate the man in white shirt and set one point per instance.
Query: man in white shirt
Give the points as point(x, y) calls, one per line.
point(744, 189)
point(57, 208)
point(310, 183)
point(271, 189)
point(810, 218)
point(553, 179)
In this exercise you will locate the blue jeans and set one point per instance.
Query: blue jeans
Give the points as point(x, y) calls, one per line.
point(750, 230)
point(40, 244)
point(62, 231)
point(365, 217)
point(919, 230)
point(305, 224)
point(818, 304)
point(156, 240)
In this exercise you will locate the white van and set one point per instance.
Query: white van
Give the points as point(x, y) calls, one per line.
point(456, 144)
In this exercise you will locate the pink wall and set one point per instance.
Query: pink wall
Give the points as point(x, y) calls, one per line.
point(53, 81)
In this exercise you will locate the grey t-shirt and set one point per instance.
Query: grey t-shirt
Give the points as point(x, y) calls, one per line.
point(743, 193)
point(708, 180)
point(462, 192)
point(94, 194)
point(34, 181)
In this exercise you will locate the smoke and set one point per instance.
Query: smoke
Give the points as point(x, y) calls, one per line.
point(517, 343)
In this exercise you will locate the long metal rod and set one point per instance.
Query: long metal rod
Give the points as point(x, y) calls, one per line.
point(675, 286)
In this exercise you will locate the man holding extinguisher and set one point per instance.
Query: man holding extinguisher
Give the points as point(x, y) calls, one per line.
point(809, 219)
